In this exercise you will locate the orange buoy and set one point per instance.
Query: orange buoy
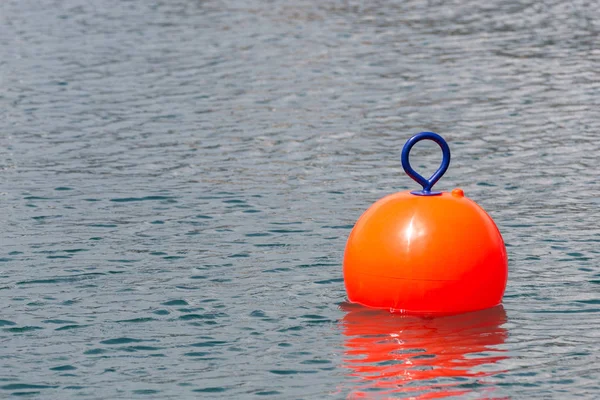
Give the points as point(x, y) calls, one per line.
point(425, 252)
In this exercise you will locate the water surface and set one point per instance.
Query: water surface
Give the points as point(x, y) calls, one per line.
point(178, 179)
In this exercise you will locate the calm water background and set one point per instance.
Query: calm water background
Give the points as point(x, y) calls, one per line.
point(178, 179)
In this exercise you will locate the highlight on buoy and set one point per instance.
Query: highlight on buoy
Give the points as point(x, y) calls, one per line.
point(425, 252)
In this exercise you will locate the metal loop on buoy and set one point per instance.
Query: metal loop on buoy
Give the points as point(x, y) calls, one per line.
point(426, 183)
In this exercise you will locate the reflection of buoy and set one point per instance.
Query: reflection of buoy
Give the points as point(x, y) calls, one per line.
point(424, 358)
point(425, 252)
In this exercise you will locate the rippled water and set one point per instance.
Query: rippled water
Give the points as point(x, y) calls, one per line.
point(178, 180)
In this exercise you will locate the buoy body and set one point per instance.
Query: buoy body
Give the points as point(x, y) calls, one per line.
point(428, 255)
point(425, 252)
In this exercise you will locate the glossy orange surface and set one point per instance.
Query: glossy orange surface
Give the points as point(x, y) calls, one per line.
point(425, 254)
point(390, 354)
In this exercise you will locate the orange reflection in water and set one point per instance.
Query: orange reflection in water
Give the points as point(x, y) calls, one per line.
point(394, 355)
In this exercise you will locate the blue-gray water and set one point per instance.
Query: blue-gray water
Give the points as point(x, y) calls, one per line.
point(178, 180)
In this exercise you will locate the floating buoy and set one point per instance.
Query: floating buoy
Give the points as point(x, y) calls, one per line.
point(425, 252)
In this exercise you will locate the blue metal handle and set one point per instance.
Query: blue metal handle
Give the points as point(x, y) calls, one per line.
point(426, 183)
